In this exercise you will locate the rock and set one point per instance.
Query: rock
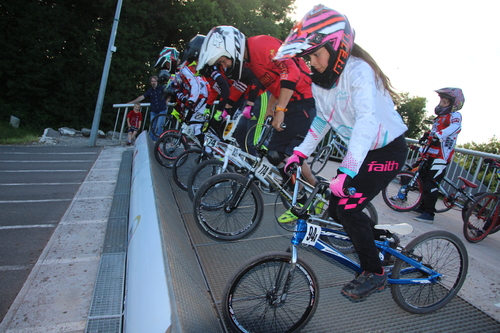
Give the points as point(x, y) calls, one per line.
point(68, 131)
point(86, 132)
point(50, 133)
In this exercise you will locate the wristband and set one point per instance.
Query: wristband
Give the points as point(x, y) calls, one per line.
point(279, 108)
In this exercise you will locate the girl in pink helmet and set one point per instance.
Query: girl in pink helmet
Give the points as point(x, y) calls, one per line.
point(355, 99)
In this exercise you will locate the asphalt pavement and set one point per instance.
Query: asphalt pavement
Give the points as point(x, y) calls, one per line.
point(55, 200)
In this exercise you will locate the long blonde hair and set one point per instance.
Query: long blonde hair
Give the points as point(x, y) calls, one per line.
point(359, 52)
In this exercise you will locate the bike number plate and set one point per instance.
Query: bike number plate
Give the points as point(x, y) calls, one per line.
point(232, 152)
point(263, 170)
point(210, 142)
point(312, 234)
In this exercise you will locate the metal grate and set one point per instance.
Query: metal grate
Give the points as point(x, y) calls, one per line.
point(106, 309)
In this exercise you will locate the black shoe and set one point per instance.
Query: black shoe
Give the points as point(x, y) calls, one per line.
point(364, 285)
point(418, 210)
point(425, 217)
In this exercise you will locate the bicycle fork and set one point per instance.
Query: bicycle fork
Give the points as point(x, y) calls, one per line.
point(239, 194)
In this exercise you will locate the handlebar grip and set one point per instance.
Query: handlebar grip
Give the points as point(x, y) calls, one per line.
point(350, 191)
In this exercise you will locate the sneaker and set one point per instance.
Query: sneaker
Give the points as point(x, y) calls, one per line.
point(425, 217)
point(418, 210)
point(318, 210)
point(287, 217)
point(129, 143)
point(364, 285)
point(396, 200)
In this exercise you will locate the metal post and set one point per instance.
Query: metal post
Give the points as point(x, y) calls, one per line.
point(104, 78)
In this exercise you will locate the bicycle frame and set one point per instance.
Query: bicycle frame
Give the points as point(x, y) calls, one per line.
point(451, 197)
point(334, 144)
point(308, 234)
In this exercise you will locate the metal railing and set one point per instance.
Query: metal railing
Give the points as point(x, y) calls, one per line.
point(145, 118)
point(125, 108)
point(466, 163)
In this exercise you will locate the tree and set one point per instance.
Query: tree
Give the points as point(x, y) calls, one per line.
point(491, 147)
point(53, 51)
point(412, 110)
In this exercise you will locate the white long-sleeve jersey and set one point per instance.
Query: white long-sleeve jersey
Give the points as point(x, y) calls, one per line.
point(446, 128)
point(359, 110)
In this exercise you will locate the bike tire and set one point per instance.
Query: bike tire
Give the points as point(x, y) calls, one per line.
point(481, 218)
point(251, 302)
point(412, 196)
point(468, 202)
point(202, 172)
point(184, 165)
point(168, 147)
point(320, 160)
point(216, 218)
point(346, 246)
point(443, 252)
point(160, 123)
point(443, 204)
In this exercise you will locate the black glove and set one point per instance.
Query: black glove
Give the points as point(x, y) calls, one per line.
point(423, 139)
point(489, 161)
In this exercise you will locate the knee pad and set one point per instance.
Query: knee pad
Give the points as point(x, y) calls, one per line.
point(275, 158)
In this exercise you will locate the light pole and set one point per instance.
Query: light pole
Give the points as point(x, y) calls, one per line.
point(104, 78)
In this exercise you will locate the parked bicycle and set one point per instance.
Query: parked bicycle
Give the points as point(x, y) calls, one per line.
point(405, 192)
point(163, 122)
point(279, 291)
point(200, 160)
point(319, 160)
point(481, 218)
point(230, 206)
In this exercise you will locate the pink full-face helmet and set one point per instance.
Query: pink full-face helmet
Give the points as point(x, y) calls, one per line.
point(321, 27)
point(455, 95)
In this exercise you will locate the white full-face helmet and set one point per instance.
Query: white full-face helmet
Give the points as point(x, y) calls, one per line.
point(224, 41)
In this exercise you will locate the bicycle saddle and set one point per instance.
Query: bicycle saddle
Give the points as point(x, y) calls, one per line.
point(400, 228)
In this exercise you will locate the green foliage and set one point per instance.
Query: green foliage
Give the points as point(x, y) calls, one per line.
point(412, 110)
point(53, 52)
point(10, 135)
point(491, 147)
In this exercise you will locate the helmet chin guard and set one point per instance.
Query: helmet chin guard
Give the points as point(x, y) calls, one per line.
point(455, 95)
point(224, 41)
point(321, 27)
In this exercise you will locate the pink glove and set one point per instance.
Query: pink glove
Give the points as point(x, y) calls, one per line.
point(247, 112)
point(224, 114)
point(296, 158)
point(338, 184)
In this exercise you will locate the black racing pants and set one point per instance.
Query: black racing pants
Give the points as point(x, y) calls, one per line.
point(378, 169)
point(431, 175)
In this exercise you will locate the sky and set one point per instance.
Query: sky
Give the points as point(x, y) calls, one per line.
point(426, 45)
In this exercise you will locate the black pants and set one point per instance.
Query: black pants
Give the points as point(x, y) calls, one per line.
point(298, 119)
point(431, 176)
point(377, 171)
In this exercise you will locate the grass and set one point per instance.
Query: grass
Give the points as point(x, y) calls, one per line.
point(10, 135)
